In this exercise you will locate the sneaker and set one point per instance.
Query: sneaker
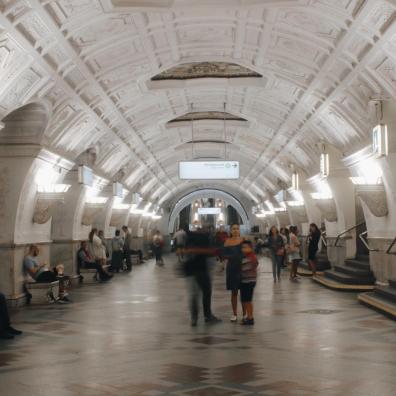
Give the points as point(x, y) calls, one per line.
point(212, 320)
point(66, 299)
point(233, 318)
point(12, 331)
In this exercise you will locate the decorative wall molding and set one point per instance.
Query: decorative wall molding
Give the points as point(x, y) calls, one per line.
point(374, 196)
point(91, 211)
point(46, 205)
point(328, 208)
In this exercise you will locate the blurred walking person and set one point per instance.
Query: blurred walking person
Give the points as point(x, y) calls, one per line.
point(277, 248)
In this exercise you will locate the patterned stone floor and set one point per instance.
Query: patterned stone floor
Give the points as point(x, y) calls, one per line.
point(132, 337)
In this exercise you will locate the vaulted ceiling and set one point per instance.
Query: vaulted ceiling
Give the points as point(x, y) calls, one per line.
point(114, 73)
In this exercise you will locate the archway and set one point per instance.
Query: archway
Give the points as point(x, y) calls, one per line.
point(207, 193)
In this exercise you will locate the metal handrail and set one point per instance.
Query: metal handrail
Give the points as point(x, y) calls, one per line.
point(365, 242)
point(391, 246)
point(323, 238)
point(346, 231)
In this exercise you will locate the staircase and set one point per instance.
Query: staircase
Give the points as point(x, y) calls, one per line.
point(382, 299)
point(322, 264)
point(353, 275)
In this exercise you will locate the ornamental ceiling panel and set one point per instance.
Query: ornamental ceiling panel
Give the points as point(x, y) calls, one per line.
point(318, 62)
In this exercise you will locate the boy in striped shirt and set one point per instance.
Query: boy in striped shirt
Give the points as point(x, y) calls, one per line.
point(248, 281)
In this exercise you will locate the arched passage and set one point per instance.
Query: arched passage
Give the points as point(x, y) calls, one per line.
point(207, 193)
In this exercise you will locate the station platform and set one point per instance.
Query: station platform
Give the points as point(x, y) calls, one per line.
point(132, 336)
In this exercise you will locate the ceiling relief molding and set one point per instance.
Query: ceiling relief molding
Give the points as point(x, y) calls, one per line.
point(328, 208)
point(190, 71)
point(91, 211)
point(374, 196)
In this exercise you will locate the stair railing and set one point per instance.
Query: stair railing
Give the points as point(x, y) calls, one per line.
point(391, 246)
point(365, 243)
point(323, 238)
point(346, 232)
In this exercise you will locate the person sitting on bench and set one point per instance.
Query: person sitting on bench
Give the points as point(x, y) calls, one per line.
point(85, 261)
point(41, 274)
point(7, 332)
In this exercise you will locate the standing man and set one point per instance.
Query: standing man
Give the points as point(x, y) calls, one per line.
point(127, 247)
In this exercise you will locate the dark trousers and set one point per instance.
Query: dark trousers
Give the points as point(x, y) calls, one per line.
point(128, 261)
point(4, 316)
point(157, 253)
point(201, 283)
point(116, 260)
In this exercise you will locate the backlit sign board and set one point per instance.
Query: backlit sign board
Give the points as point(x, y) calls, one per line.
point(209, 170)
point(209, 211)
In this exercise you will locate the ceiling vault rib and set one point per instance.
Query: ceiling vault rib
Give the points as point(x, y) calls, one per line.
point(92, 81)
point(363, 13)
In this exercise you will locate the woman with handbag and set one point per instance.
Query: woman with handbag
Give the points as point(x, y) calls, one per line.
point(294, 252)
point(277, 249)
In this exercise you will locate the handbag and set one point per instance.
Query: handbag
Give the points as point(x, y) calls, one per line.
point(280, 252)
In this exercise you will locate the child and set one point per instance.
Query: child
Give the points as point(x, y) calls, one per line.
point(248, 281)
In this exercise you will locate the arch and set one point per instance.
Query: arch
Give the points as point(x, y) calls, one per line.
point(207, 193)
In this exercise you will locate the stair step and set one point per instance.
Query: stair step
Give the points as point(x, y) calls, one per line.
point(374, 301)
point(347, 279)
point(387, 292)
point(320, 265)
point(363, 265)
point(392, 283)
point(336, 285)
point(364, 257)
point(354, 272)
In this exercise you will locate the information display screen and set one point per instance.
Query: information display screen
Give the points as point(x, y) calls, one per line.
point(209, 211)
point(208, 170)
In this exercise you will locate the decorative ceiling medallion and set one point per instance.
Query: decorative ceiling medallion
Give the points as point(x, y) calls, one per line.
point(187, 71)
point(207, 115)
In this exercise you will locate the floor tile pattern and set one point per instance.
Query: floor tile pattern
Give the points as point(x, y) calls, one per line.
point(132, 337)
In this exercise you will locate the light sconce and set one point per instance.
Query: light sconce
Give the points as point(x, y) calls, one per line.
point(380, 140)
point(118, 190)
point(295, 181)
point(324, 164)
point(85, 175)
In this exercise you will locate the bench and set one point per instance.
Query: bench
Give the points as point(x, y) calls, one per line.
point(75, 281)
point(41, 292)
point(90, 275)
point(135, 259)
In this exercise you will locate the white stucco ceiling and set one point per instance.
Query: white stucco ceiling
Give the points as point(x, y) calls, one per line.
point(93, 60)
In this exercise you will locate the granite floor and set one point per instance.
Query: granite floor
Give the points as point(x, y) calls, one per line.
point(132, 337)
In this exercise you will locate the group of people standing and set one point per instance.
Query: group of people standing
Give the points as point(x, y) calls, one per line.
point(241, 265)
point(285, 247)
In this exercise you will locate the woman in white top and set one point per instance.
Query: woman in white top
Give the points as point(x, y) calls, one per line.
point(96, 248)
point(294, 252)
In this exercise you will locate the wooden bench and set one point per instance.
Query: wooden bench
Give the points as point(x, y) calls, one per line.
point(41, 292)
